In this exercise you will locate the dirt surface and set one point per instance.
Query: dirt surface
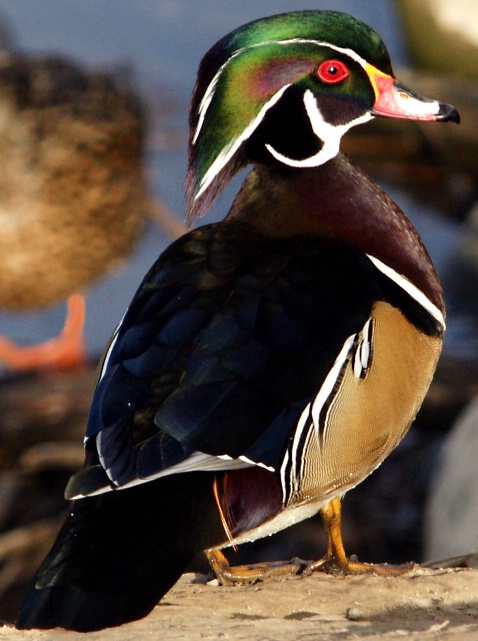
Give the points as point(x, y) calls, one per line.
point(424, 605)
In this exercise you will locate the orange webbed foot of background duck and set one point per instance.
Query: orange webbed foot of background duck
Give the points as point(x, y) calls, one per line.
point(65, 351)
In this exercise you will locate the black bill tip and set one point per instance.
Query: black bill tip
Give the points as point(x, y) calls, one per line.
point(448, 113)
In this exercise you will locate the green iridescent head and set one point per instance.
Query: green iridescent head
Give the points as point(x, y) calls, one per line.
point(285, 89)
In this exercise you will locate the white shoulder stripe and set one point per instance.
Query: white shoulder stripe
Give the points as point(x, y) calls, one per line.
point(410, 288)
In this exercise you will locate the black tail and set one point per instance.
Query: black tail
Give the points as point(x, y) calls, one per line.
point(118, 553)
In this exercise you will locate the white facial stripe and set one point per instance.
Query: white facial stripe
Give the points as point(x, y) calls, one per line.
point(312, 161)
point(330, 135)
point(410, 288)
point(209, 93)
point(205, 102)
point(331, 144)
point(321, 43)
point(230, 149)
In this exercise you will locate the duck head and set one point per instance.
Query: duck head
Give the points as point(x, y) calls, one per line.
point(285, 89)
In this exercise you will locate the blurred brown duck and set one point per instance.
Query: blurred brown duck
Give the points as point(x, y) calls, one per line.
point(72, 192)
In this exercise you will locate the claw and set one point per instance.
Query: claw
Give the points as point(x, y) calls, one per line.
point(336, 561)
point(228, 575)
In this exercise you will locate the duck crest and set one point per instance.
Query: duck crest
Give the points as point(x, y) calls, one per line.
point(333, 72)
point(246, 73)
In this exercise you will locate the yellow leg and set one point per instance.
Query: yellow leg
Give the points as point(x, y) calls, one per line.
point(228, 575)
point(336, 561)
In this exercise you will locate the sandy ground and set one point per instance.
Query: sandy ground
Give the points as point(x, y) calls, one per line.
point(424, 605)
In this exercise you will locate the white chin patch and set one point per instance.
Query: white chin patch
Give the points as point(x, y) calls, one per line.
point(329, 135)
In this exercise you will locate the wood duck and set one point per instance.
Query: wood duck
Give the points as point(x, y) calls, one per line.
point(72, 198)
point(268, 363)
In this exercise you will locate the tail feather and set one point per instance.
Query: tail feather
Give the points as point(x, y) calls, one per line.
point(118, 553)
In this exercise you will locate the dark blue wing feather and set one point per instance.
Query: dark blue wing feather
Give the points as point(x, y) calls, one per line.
point(228, 336)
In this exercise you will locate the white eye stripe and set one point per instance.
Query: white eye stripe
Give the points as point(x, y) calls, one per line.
point(211, 88)
point(329, 135)
point(321, 43)
point(230, 149)
point(205, 102)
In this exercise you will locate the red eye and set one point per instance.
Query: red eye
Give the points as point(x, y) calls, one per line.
point(332, 71)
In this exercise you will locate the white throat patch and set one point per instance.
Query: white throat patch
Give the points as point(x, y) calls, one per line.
point(329, 135)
